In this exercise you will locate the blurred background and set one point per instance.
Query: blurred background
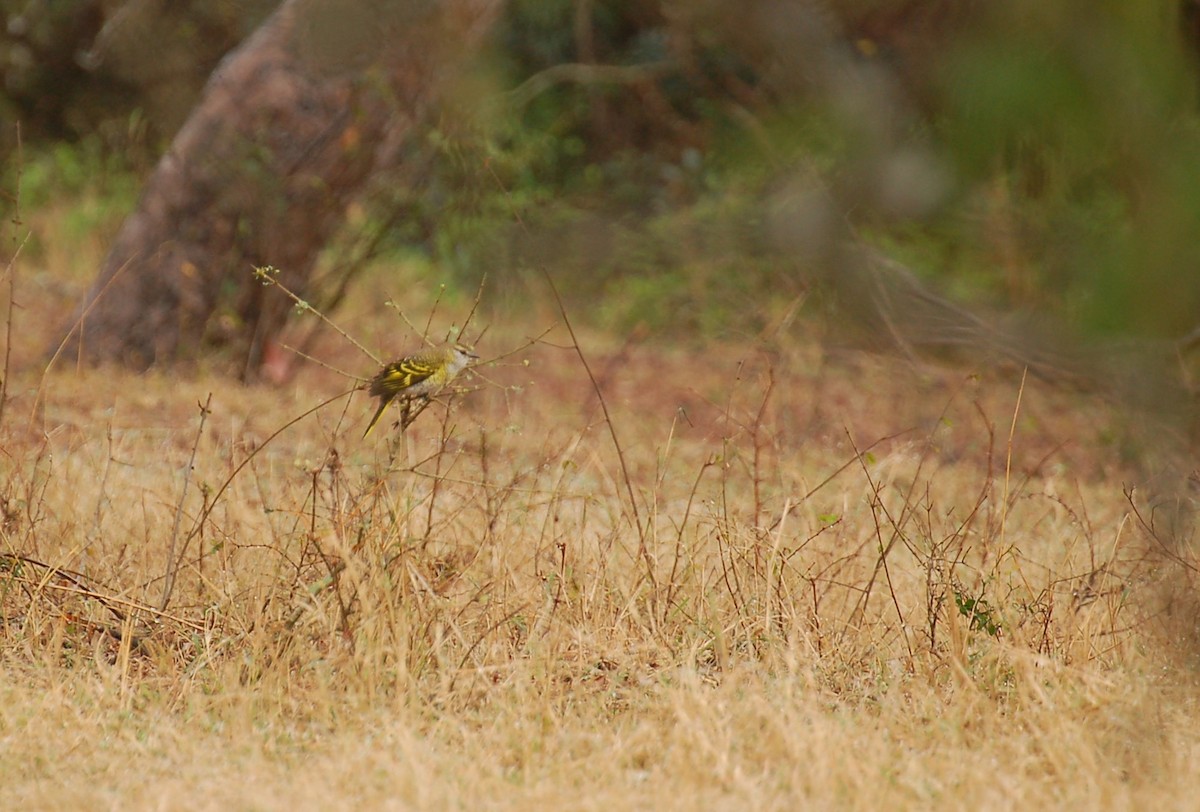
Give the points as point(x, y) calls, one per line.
point(1013, 181)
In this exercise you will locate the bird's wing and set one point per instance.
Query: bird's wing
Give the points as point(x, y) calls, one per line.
point(400, 375)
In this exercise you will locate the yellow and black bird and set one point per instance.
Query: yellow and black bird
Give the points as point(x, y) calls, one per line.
point(417, 376)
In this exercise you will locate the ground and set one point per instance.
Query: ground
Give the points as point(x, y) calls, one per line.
point(746, 573)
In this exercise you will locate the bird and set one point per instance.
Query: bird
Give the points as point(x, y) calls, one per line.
point(417, 376)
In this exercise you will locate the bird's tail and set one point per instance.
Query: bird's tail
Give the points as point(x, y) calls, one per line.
point(383, 404)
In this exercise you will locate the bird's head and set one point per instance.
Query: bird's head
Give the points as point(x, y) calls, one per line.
point(462, 356)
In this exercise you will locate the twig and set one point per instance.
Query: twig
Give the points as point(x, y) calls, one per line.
point(78, 581)
point(579, 73)
point(1012, 431)
point(756, 480)
point(835, 474)
point(1190, 341)
point(320, 363)
point(172, 563)
point(229, 479)
point(462, 663)
point(78, 325)
point(432, 312)
point(687, 512)
point(643, 550)
point(881, 563)
point(474, 307)
point(11, 273)
point(268, 275)
point(1150, 530)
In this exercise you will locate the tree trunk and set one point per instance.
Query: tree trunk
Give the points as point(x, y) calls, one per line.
point(291, 125)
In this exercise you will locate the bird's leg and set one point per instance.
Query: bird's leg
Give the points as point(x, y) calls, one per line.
point(410, 413)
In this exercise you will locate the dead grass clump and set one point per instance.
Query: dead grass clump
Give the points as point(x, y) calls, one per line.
point(686, 594)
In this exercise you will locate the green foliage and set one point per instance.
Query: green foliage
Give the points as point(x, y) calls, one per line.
point(60, 170)
point(1069, 132)
point(1085, 116)
point(85, 189)
point(980, 616)
point(629, 212)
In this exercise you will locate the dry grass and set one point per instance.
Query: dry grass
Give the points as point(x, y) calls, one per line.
point(805, 580)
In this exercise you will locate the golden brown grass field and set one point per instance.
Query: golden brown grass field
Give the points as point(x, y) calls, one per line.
point(757, 575)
